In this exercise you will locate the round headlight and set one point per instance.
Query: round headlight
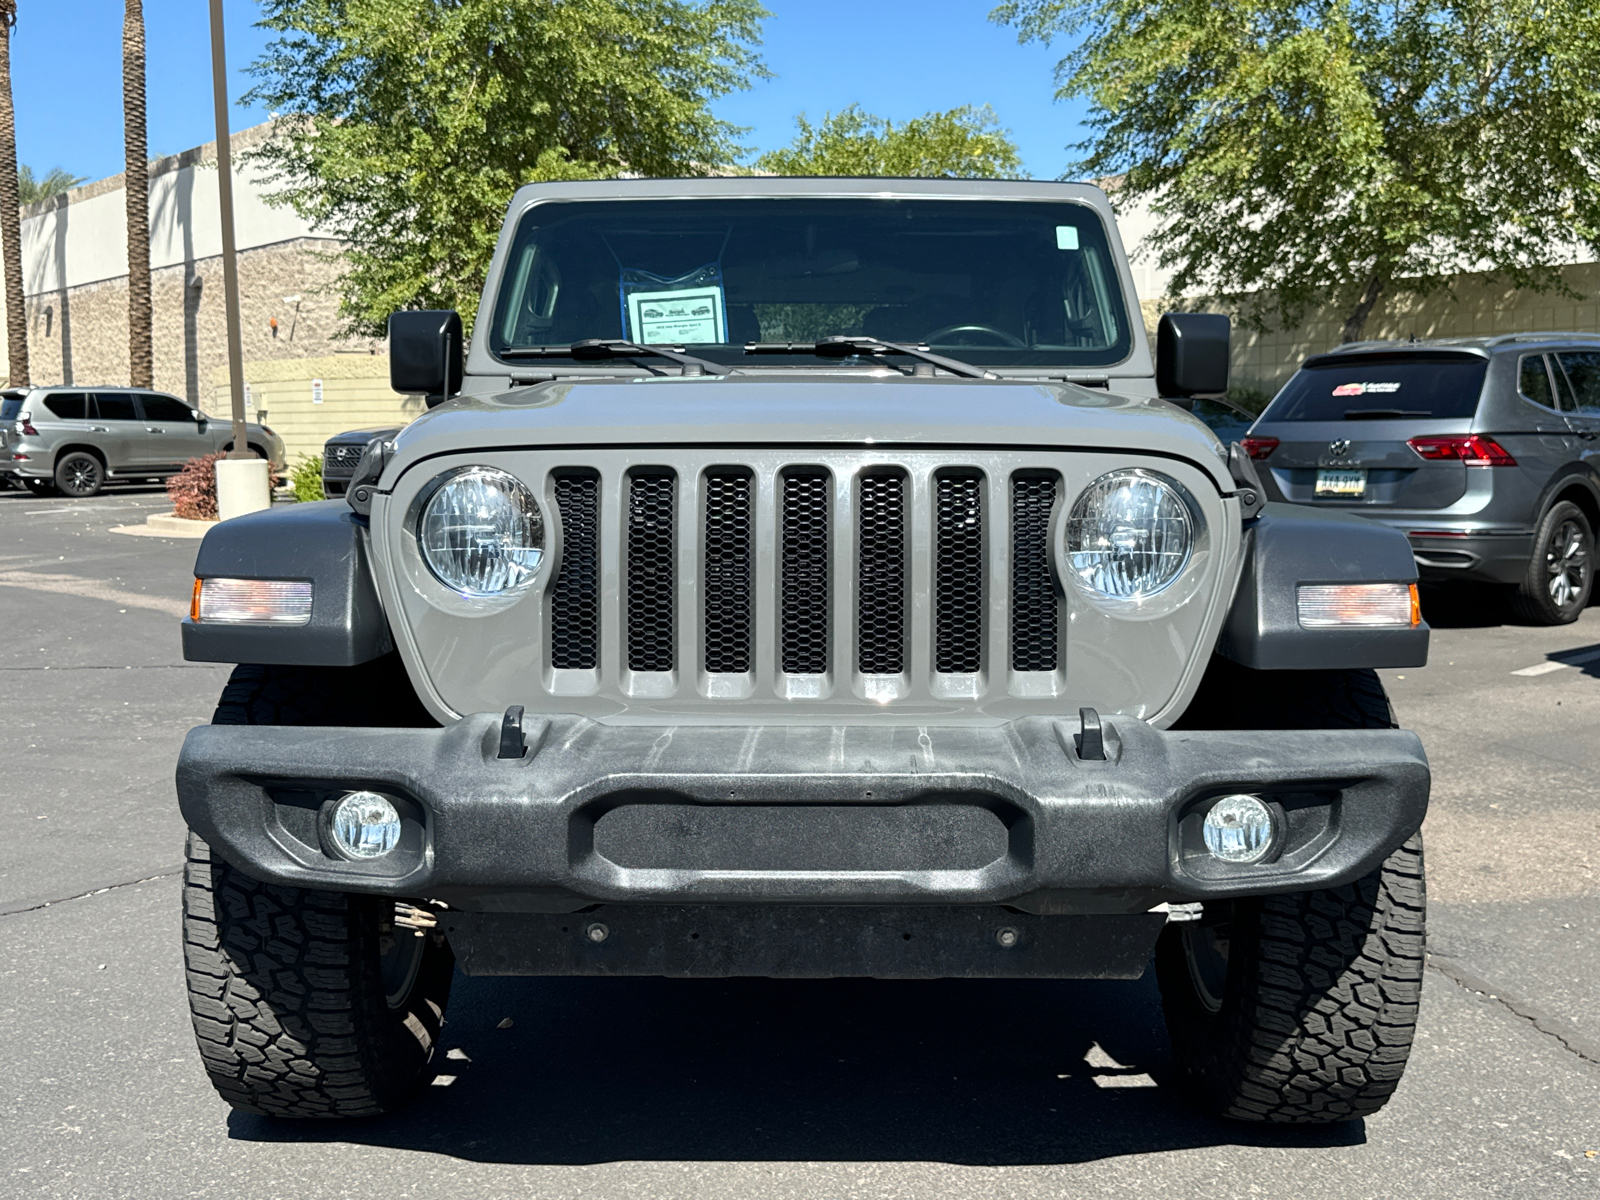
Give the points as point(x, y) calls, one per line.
point(482, 534)
point(1129, 535)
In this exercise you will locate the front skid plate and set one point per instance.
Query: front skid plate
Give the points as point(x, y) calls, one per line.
point(804, 942)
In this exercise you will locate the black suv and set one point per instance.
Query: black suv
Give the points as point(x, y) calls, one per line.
point(1484, 451)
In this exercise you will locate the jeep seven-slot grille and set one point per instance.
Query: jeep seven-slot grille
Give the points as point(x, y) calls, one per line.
point(875, 571)
point(803, 551)
point(651, 573)
point(958, 573)
point(575, 596)
point(727, 572)
point(881, 577)
point(1033, 594)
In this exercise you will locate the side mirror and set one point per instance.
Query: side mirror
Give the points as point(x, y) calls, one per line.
point(425, 354)
point(1192, 354)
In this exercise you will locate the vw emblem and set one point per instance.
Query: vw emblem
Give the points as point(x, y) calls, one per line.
point(1339, 448)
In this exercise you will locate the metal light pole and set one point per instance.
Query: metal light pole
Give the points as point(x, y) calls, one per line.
point(239, 490)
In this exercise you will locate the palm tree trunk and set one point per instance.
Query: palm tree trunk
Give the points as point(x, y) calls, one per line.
point(10, 213)
point(136, 178)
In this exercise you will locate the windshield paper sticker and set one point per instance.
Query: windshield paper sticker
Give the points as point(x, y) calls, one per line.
point(1366, 389)
point(1066, 237)
point(687, 317)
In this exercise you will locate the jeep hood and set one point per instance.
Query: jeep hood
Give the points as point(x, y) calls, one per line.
point(898, 412)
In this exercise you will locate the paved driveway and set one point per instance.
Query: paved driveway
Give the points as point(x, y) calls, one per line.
point(756, 1088)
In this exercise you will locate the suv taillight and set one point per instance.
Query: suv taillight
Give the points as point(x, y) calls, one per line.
point(25, 425)
point(1258, 447)
point(1474, 449)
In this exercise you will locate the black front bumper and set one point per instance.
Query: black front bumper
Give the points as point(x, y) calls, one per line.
point(801, 815)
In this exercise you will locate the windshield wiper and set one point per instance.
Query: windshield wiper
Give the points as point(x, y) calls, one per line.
point(846, 347)
point(1364, 414)
point(604, 349)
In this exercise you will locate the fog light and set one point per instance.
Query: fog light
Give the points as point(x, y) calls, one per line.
point(365, 825)
point(1238, 829)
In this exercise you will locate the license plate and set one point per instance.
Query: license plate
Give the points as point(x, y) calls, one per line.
point(1341, 483)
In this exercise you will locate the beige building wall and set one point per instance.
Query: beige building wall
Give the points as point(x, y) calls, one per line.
point(354, 394)
point(1263, 362)
point(75, 278)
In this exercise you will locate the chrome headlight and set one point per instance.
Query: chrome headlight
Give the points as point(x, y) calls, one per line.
point(482, 534)
point(1130, 535)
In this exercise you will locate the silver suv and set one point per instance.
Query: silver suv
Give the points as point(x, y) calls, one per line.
point(1482, 451)
point(76, 439)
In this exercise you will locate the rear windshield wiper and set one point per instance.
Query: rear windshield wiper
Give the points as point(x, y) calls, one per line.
point(846, 347)
point(1380, 414)
point(604, 349)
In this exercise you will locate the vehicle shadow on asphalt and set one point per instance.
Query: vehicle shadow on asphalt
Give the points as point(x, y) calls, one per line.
point(985, 1073)
point(1473, 605)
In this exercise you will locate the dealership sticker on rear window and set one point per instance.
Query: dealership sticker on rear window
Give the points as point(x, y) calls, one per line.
point(1365, 389)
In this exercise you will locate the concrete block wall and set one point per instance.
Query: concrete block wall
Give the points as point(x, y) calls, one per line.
point(355, 395)
point(1263, 362)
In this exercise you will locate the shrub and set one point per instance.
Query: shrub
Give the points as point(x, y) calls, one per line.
point(305, 477)
point(194, 489)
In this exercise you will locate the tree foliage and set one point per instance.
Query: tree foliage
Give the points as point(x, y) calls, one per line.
point(406, 125)
point(1300, 154)
point(966, 143)
point(52, 183)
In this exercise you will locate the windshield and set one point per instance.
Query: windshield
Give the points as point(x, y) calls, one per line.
point(1382, 388)
point(997, 283)
point(10, 406)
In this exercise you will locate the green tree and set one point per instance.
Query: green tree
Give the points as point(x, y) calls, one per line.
point(1299, 155)
point(964, 143)
point(406, 125)
point(52, 183)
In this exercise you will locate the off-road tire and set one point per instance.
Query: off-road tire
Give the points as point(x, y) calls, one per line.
point(80, 475)
point(1319, 990)
point(291, 1008)
point(1563, 547)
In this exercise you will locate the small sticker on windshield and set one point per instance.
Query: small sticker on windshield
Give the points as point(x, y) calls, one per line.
point(1365, 389)
point(1066, 237)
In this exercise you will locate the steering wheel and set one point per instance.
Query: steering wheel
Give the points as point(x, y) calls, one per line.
point(1004, 338)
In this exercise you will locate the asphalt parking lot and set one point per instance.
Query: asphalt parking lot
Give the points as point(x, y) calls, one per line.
point(757, 1088)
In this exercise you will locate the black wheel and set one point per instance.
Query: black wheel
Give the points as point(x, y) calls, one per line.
point(310, 1003)
point(1561, 571)
point(1297, 1008)
point(40, 487)
point(80, 474)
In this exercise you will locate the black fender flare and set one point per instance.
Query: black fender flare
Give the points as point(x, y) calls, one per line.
point(323, 543)
point(1288, 545)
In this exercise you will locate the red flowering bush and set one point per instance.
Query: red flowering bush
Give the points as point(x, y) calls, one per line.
point(194, 489)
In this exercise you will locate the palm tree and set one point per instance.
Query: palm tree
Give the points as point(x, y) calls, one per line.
point(136, 179)
point(10, 213)
point(53, 183)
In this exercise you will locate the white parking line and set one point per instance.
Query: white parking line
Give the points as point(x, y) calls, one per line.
point(1546, 668)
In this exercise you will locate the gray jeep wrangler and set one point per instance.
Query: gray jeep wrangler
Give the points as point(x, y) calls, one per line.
point(805, 578)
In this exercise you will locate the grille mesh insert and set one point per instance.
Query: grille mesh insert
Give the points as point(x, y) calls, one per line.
point(1033, 592)
point(575, 598)
point(804, 574)
point(958, 574)
point(881, 577)
point(727, 565)
point(651, 572)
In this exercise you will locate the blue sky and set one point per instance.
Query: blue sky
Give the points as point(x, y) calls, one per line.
point(897, 58)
